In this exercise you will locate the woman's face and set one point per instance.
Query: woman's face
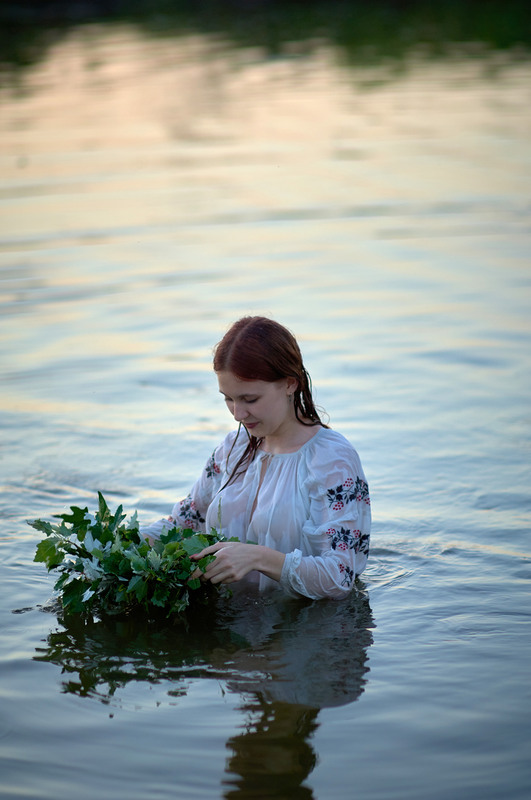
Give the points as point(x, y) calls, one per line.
point(264, 407)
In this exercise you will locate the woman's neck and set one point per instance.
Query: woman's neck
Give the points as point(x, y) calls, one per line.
point(290, 440)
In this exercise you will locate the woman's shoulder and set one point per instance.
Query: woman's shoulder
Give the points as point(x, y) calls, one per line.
point(330, 439)
point(329, 448)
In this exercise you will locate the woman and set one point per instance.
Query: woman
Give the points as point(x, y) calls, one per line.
point(288, 487)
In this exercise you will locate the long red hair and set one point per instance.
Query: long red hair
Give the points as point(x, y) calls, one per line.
point(260, 349)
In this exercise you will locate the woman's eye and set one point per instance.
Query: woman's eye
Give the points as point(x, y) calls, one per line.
point(245, 400)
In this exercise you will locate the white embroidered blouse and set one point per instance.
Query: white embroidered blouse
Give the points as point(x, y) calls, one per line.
point(313, 505)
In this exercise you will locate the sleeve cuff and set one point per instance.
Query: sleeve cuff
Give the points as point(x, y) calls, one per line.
point(289, 578)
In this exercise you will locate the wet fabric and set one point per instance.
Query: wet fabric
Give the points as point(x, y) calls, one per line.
point(313, 505)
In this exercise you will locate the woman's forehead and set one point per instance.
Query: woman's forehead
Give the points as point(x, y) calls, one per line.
point(233, 386)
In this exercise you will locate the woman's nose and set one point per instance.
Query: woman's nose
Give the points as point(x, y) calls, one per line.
point(240, 412)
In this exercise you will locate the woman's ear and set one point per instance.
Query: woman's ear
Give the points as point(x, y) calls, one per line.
point(292, 384)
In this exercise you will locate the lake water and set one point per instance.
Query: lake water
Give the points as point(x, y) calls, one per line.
point(154, 190)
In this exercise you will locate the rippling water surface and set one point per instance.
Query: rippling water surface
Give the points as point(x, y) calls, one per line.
point(152, 192)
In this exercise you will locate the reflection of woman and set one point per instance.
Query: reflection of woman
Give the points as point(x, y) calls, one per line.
point(286, 482)
point(273, 756)
point(290, 489)
point(308, 654)
point(299, 657)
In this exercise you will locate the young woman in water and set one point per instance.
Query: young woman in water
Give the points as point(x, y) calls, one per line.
point(287, 486)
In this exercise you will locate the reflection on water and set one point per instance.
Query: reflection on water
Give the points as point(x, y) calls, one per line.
point(311, 654)
point(154, 190)
point(274, 755)
point(285, 659)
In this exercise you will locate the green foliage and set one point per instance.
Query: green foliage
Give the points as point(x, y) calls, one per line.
point(106, 566)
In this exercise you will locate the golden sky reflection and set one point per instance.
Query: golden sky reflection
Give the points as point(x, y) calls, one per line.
point(114, 130)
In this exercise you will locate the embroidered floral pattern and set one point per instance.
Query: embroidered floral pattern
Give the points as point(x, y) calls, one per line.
point(348, 492)
point(189, 514)
point(212, 468)
point(348, 575)
point(344, 539)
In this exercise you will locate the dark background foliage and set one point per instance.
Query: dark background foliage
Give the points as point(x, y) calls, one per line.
point(363, 29)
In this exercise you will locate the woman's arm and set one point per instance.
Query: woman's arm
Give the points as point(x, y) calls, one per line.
point(234, 560)
point(335, 538)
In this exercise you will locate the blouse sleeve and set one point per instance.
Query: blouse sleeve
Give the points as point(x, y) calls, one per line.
point(335, 537)
point(190, 512)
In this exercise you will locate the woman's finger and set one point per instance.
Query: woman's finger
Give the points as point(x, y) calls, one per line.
point(212, 548)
